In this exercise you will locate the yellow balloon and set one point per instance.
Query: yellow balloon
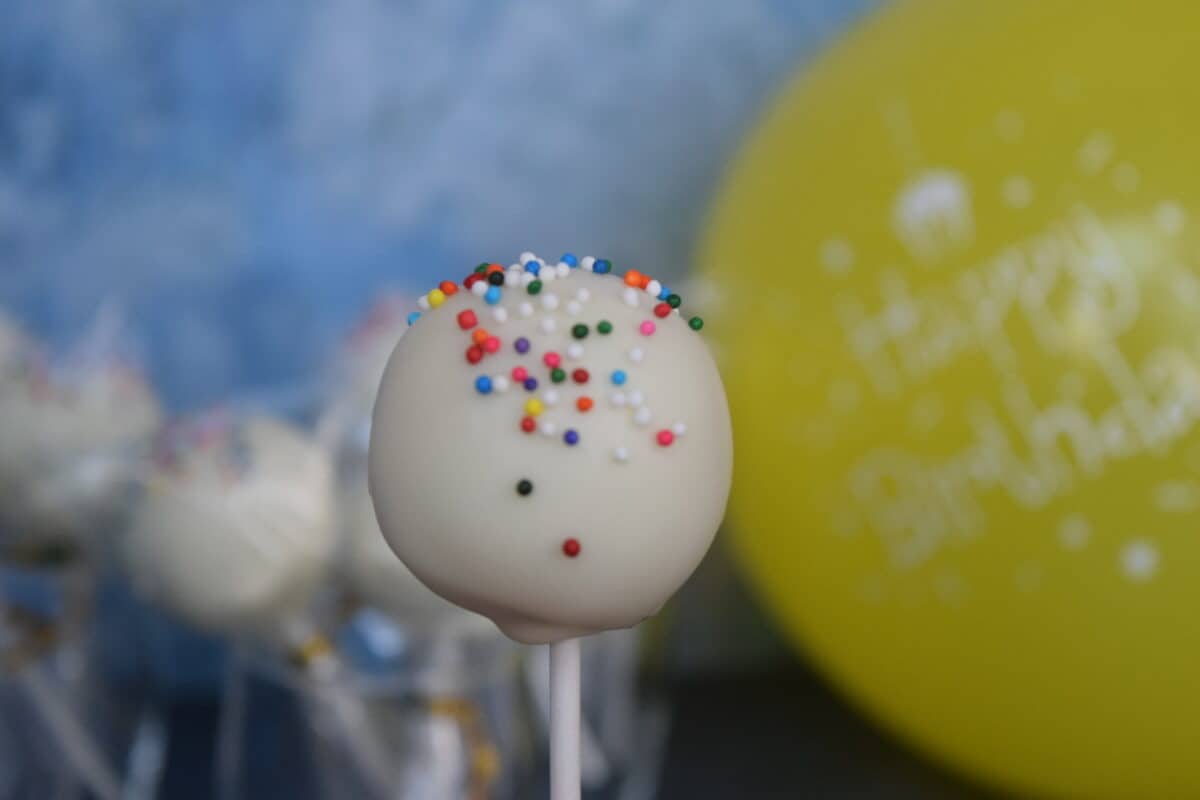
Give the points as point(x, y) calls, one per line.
point(961, 335)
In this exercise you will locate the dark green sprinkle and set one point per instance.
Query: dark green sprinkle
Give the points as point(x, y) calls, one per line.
point(579, 331)
point(534, 287)
point(524, 487)
point(673, 300)
point(695, 323)
point(482, 268)
point(604, 327)
point(558, 375)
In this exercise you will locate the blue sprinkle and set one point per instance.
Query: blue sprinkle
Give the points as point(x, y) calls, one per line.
point(569, 259)
point(533, 265)
point(602, 266)
point(413, 317)
point(530, 384)
point(618, 377)
point(571, 437)
point(483, 384)
point(492, 296)
point(664, 294)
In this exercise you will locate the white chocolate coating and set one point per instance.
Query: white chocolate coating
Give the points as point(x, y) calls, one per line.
point(235, 531)
point(68, 442)
point(445, 459)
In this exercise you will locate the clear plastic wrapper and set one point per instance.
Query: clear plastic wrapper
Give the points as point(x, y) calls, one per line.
point(450, 717)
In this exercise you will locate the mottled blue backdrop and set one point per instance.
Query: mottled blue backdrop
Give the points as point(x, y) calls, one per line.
point(242, 176)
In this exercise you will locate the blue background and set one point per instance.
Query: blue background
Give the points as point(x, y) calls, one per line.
point(242, 177)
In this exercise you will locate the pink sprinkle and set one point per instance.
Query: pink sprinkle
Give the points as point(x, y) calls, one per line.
point(647, 328)
point(552, 360)
point(665, 437)
point(519, 374)
point(491, 344)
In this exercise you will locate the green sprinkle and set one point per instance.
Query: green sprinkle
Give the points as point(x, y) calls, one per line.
point(695, 323)
point(558, 375)
point(579, 331)
point(482, 268)
point(534, 287)
point(673, 300)
point(604, 327)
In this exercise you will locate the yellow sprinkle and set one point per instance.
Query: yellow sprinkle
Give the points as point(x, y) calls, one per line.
point(437, 297)
point(533, 406)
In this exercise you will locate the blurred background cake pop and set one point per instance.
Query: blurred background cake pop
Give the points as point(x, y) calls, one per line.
point(368, 570)
point(75, 428)
point(551, 446)
point(235, 527)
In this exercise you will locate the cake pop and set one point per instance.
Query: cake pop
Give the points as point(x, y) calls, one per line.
point(551, 446)
point(70, 434)
point(235, 527)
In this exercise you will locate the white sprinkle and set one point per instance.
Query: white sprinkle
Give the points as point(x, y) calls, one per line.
point(563, 270)
point(550, 302)
point(479, 288)
point(500, 383)
point(518, 267)
point(527, 278)
point(512, 278)
point(549, 428)
point(642, 417)
point(423, 302)
point(573, 308)
point(525, 309)
point(583, 295)
point(636, 355)
point(526, 257)
point(679, 429)
point(548, 325)
point(630, 296)
point(575, 351)
point(621, 454)
point(653, 288)
point(550, 397)
point(636, 398)
point(587, 262)
point(546, 275)
point(499, 314)
point(618, 399)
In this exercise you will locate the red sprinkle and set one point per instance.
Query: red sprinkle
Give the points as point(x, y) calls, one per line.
point(471, 279)
point(519, 374)
point(552, 359)
point(665, 437)
point(474, 354)
point(467, 319)
point(448, 287)
point(491, 344)
point(661, 310)
point(580, 376)
point(528, 425)
point(571, 548)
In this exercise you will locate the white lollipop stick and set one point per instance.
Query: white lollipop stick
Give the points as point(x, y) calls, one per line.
point(82, 754)
point(564, 720)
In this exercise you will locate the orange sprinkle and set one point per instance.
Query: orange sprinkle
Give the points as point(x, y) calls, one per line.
point(480, 335)
point(494, 268)
point(633, 277)
point(448, 287)
point(644, 281)
point(584, 404)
